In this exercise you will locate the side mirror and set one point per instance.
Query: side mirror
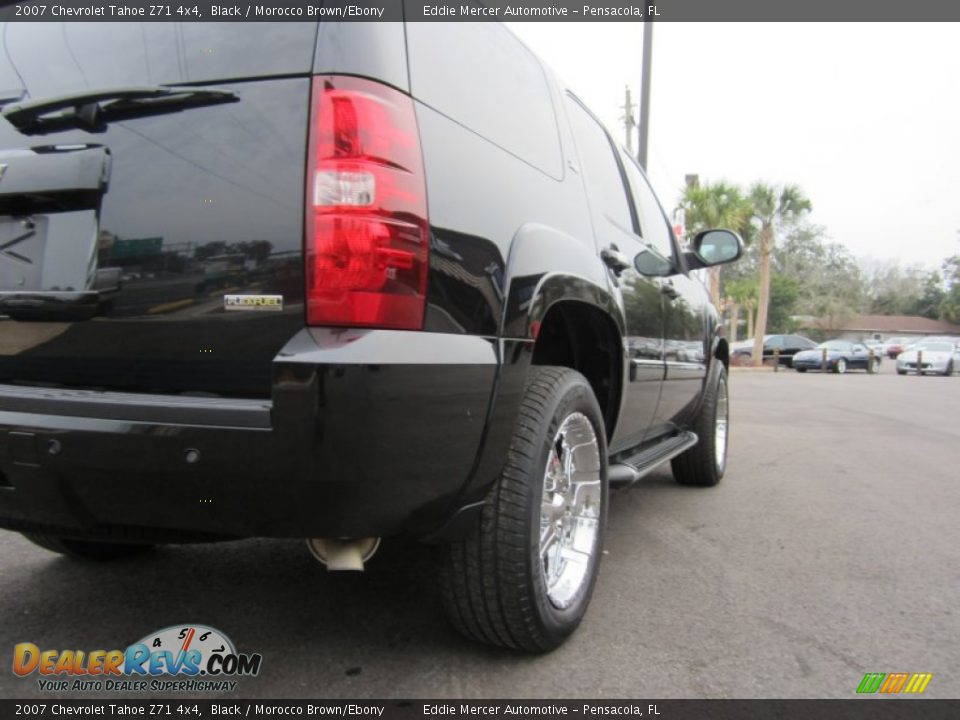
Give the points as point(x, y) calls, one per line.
point(714, 247)
point(650, 264)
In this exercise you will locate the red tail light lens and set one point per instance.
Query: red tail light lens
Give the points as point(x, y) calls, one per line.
point(366, 226)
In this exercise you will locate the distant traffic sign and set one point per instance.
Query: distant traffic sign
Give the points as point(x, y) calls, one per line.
point(137, 247)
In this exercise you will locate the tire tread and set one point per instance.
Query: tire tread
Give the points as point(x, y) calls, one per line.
point(486, 588)
point(697, 466)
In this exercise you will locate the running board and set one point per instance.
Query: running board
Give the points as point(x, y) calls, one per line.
point(628, 471)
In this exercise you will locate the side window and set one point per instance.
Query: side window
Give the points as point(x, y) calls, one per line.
point(775, 342)
point(653, 225)
point(483, 77)
point(599, 166)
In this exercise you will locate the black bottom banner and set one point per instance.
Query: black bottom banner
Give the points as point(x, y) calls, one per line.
point(853, 709)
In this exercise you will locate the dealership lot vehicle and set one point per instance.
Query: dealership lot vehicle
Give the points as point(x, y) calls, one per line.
point(951, 339)
point(933, 357)
point(841, 355)
point(874, 345)
point(786, 346)
point(895, 345)
point(422, 335)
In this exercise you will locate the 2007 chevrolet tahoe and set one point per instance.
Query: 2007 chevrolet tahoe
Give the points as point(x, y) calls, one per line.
point(340, 281)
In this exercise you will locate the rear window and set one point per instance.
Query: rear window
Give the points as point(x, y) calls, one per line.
point(653, 224)
point(481, 76)
point(56, 58)
point(603, 179)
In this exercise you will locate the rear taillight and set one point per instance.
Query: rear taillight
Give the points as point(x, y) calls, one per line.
point(366, 226)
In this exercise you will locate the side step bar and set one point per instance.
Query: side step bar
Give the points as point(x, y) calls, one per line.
point(636, 466)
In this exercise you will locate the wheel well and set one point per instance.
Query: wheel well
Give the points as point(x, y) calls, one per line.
point(584, 338)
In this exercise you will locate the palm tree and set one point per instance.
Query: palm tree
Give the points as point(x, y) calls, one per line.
point(742, 294)
point(772, 206)
point(716, 205)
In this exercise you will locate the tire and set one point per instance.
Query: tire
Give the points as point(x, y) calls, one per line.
point(799, 369)
point(840, 367)
point(87, 549)
point(948, 371)
point(703, 465)
point(901, 372)
point(505, 583)
point(873, 366)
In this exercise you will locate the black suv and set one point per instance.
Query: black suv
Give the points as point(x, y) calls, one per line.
point(340, 281)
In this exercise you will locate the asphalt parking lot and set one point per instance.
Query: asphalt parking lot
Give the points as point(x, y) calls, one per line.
point(830, 550)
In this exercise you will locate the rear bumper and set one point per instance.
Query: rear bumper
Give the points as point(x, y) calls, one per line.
point(367, 433)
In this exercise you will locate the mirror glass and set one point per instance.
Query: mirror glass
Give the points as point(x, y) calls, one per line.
point(718, 246)
point(651, 264)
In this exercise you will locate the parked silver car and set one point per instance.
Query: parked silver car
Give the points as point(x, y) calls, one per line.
point(940, 357)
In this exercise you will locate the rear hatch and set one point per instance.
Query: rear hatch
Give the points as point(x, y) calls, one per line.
point(151, 238)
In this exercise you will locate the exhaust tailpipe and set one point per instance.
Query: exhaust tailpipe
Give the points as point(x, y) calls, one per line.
point(338, 554)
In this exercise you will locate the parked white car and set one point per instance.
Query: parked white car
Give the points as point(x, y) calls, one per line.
point(875, 345)
point(940, 357)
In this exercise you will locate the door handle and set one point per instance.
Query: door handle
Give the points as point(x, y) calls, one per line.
point(667, 288)
point(614, 259)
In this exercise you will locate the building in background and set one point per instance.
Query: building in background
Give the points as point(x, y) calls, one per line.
point(878, 327)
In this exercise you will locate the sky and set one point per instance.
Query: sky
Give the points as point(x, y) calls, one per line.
point(865, 117)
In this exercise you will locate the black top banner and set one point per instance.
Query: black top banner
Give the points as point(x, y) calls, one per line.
point(486, 11)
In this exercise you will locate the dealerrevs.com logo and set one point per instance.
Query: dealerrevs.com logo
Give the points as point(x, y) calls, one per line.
point(185, 658)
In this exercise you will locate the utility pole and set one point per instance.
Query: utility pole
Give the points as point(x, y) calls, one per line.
point(629, 121)
point(645, 93)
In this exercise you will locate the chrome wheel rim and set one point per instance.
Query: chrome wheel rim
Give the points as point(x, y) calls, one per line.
point(570, 510)
point(721, 424)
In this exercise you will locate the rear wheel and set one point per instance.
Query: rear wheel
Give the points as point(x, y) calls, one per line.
point(86, 549)
point(840, 367)
point(799, 369)
point(949, 369)
point(524, 576)
point(705, 463)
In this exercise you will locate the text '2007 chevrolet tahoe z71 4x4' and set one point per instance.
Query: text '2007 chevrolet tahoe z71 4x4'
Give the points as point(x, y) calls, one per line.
point(340, 281)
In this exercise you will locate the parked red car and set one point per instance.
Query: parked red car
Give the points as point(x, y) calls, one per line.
point(894, 346)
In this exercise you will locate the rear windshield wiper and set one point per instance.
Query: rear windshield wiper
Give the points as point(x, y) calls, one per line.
point(94, 110)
